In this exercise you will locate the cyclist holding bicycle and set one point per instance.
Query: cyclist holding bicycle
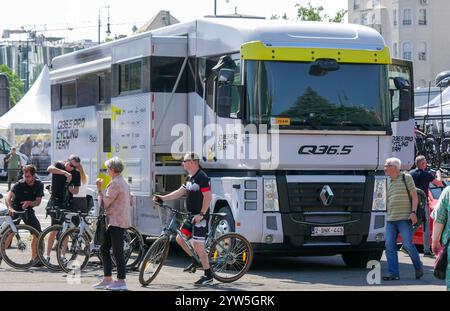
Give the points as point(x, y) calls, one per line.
point(25, 195)
point(65, 183)
point(198, 191)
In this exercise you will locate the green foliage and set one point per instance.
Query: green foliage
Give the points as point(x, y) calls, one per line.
point(313, 13)
point(15, 85)
point(276, 16)
point(309, 13)
point(339, 17)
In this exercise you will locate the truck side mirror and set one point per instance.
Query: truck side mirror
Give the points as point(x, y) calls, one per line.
point(406, 99)
point(224, 99)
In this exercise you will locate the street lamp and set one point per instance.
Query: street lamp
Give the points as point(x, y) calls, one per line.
point(108, 26)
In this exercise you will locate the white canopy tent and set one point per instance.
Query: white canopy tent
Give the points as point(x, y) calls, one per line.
point(32, 113)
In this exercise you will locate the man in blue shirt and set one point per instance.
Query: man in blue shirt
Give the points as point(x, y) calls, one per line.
point(422, 179)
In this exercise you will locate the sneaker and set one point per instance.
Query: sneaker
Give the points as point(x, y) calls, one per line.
point(419, 273)
point(204, 280)
point(117, 286)
point(391, 278)
point(64, 261)
point(192, 268)
point(39, 264)
point(47, 259)
point(102, 285)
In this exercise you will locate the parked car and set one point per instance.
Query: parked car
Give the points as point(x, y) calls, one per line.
point(434, 193)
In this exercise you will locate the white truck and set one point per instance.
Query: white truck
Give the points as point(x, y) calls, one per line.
point(293, 122)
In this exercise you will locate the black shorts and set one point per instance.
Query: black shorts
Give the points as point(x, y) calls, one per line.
point(29, 218)
point(197, 232)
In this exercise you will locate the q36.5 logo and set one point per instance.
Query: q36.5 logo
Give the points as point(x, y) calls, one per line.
point(325, 150)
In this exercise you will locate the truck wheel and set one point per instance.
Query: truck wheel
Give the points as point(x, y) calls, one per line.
point(360, 259)
point(225, 224)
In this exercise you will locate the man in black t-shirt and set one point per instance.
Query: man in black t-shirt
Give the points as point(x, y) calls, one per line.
point(198, 191)
point(25, 195)
point(422, 179)
point(66, 182)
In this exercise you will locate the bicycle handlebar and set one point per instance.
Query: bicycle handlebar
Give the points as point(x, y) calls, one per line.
point(172, 209)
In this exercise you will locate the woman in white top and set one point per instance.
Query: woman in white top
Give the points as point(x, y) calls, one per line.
point(79, 201)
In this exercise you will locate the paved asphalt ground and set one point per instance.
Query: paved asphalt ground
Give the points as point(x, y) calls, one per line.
point(278, 274)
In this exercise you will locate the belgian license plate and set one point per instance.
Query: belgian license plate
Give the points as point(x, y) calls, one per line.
point(327, 231)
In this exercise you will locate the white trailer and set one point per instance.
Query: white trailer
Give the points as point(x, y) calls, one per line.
point(293, 122)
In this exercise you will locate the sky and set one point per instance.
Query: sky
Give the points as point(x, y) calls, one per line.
point(56, 16)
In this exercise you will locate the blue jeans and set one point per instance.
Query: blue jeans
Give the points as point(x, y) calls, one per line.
point(393, 228)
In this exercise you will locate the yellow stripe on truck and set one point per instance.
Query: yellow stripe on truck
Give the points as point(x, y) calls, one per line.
point(257, 50)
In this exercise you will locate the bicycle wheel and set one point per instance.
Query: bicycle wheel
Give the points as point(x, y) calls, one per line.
point(48, 253)
point(73, 251)
point(16, 248)
point(230, 257)
point(133, 248)
point(154, 260)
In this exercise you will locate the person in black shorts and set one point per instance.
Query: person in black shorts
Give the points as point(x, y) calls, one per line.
point(25, 195)
point(197, 189)
point(66, 182)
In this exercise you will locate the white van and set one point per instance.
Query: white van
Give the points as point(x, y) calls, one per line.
point(5, 149)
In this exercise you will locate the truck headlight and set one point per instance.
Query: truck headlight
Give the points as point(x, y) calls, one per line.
point(271, 196)
point(379, 196)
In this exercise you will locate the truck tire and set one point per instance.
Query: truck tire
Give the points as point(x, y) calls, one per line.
point(360, 259)
point(225, 224)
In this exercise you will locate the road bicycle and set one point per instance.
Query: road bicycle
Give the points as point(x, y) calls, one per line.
point(16, 241)
point(230, 255)
point(77, 245)
point(49, 238)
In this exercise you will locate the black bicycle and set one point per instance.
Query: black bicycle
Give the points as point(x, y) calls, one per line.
point(230, 255)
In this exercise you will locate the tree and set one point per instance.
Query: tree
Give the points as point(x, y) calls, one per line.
point(314, 13)
point(275, 16)
point(15, 85)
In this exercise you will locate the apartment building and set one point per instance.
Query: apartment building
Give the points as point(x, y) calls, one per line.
point(413, 29)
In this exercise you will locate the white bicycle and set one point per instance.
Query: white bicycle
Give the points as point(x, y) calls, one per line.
point(16, 241)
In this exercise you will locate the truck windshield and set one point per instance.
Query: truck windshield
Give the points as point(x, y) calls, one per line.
point(347, 97)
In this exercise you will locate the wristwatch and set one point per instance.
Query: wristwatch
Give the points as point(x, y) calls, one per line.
point(202, 214)
point(413, 212)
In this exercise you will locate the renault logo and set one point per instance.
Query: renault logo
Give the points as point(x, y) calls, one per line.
point(326, 195)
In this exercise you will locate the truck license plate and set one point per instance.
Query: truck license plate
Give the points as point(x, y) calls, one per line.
point(327, 231)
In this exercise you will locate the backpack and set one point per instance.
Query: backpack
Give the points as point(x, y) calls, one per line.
point(421, 204)
point(441, 263)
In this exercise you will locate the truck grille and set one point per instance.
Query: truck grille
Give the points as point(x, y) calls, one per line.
point(305, 197)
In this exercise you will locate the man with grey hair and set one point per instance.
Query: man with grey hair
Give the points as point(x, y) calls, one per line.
point(401, 216)
point(422, 178)
point(198, 191)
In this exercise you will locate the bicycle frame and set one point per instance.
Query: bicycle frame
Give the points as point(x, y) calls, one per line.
point(174, 230)
point(85, 227)
point(8, 223)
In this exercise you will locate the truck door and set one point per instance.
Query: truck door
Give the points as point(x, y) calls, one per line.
point(104, 146)
point(402, 99)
